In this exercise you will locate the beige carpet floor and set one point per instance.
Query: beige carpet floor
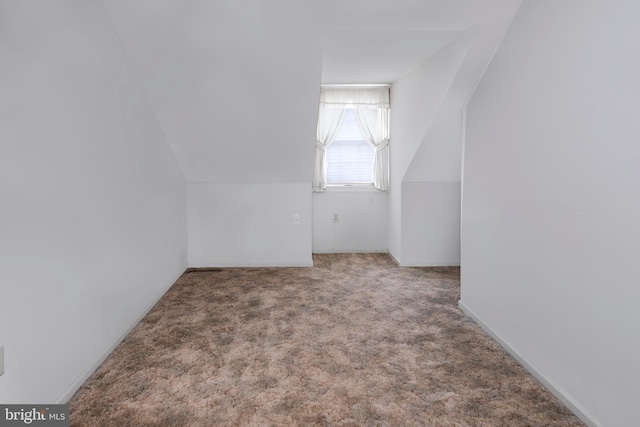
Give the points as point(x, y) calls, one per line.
point(353, 341)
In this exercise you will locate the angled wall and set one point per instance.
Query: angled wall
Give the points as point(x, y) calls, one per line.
point(425, 154)
point(551, 212)
point(92, 201)
point(431, 193)
point(235, 87)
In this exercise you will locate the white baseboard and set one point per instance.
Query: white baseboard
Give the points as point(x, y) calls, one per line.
point(75, 385)
point(394, 259)
point(433, 264)
point(454, 263)
point(308, 263)
point(352, 251)
point(569, 402)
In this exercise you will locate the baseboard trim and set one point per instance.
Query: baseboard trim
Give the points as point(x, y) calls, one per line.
point(432, 264)
point(75, 385)
point(569, 402)
point(395, 260)
point(217, 266)
point(352, 251)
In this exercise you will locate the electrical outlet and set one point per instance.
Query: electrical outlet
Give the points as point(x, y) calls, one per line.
point(336, 217)
point(296, 219)
point(1, 359)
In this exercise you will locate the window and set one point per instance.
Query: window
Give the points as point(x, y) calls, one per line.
point(352, 141)
point(349, 157)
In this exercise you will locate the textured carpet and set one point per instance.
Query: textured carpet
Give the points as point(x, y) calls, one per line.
point(353, 341)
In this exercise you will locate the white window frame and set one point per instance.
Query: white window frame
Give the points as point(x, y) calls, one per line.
point(371, 106)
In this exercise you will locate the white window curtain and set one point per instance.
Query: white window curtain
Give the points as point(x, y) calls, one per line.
point(329, 122)
point(371, 106)
point(374, 125)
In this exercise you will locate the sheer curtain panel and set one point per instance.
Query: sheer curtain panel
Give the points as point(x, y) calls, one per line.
point(374, 125)
point(329, 122)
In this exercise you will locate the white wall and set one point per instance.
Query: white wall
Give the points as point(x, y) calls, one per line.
point(431, 224)
point(416, 100)
point(425, 148)
point(236, 224)
point(235, 84)
point(551, 218)
point(363, 221)
point(438, 157)
point(92, 203)
point(431, 194)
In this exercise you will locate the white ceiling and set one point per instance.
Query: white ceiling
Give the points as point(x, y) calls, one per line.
point(379, 41)
point(234, 83)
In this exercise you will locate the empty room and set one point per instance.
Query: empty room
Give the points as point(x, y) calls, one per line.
point(303, 212)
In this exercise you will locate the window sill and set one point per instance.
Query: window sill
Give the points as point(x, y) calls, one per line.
point(348, 188)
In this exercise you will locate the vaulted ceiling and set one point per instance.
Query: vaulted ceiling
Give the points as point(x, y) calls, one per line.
point(234, 83)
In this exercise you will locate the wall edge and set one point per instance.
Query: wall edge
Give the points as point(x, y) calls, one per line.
point(79, 381)
point(547, 383)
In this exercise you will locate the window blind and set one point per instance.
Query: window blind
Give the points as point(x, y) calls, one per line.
point(349, 157)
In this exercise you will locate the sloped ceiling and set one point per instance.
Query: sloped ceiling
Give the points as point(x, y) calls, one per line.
point(357, 57)
point(234, 83)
